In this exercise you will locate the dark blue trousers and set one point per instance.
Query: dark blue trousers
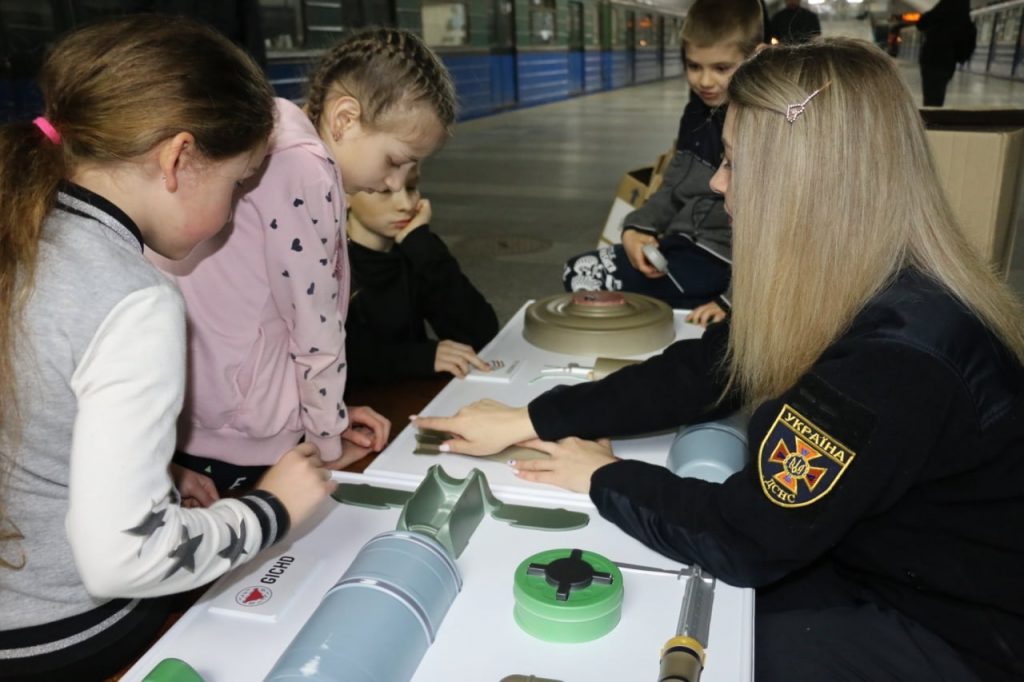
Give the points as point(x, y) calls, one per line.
point(815, 625)
point(702, 275)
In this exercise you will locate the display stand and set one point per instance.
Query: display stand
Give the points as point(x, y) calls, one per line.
point(239, 628)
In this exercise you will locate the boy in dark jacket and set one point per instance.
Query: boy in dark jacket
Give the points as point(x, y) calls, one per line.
point(684, 218)
point(403, 277)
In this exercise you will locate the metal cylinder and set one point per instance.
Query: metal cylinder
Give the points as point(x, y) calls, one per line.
point(712, 451)
point(377, 622)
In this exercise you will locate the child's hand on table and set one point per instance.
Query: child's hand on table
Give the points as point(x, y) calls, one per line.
point(457, 358)
point(368, 432)
point(706, 314)
point(299, 480)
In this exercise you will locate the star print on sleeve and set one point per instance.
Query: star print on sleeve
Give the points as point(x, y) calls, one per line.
point(184, 553)
point(154, 520)
point(236, 544)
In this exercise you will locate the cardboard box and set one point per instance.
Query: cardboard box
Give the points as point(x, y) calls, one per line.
point(978, 155)
point(634, 189)
point(630, 195)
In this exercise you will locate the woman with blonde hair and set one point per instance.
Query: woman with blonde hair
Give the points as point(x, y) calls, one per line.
point(881, 516)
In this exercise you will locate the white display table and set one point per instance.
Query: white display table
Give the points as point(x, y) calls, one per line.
point(479, 640)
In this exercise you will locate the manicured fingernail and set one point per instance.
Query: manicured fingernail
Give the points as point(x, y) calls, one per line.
point(413, 417)
point(511, 462)
point(443, 447)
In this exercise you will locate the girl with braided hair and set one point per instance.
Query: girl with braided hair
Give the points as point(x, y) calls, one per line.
point(267, 300)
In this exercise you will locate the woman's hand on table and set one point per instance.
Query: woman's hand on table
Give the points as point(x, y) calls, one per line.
point(571, 463)
point(481, 428)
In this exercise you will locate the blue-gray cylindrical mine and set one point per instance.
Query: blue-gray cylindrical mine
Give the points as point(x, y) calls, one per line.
point(712, 451)
point(376, 623)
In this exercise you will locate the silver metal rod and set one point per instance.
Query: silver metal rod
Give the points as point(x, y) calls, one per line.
point(695, 612)
point(637, 568)
point(678, 286)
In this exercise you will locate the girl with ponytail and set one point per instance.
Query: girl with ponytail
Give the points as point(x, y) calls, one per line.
point(149, 124)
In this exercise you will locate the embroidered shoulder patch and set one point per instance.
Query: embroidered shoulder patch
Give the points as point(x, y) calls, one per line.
point(798, 463)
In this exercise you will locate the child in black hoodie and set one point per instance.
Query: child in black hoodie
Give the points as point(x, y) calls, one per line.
point(403, 277)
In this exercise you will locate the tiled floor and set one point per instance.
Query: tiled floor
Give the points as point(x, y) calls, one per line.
point(516, 194)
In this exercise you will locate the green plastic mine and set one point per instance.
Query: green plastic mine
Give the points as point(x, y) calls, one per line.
point(449, 509)
point(370, 496)
point(567, 595)
point(172, 670)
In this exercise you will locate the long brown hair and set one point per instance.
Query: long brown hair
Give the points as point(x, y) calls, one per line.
point(384, 69)
point(113, 91)
point(830, 207)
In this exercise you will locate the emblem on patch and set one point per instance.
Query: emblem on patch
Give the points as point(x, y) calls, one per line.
point(799, 463)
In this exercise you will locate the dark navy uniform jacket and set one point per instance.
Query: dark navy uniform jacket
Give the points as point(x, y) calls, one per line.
point(896, 463)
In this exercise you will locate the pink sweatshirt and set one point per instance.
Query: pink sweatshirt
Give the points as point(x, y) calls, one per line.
point(266, 300)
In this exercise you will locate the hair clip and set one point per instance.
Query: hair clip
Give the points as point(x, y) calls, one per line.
point(794, 111)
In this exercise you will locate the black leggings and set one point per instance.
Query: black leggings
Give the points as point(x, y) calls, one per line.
point(229, 478)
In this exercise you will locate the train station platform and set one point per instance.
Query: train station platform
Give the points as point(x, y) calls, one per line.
point(516, 194)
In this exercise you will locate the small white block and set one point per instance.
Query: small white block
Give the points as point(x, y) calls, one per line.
point(502, 372)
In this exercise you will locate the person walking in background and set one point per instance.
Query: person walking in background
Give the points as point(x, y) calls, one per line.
point(794, 24)
point(949, 38)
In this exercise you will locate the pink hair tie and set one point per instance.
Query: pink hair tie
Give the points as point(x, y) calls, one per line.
point(47, 129)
